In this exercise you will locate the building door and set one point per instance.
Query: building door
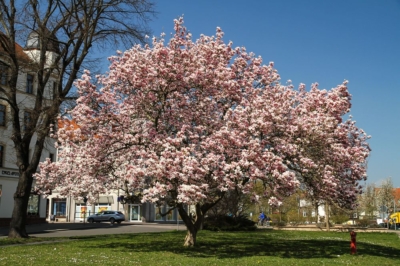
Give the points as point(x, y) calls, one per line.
point(135, 213)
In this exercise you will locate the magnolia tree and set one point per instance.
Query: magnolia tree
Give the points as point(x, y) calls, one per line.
point(185, 122)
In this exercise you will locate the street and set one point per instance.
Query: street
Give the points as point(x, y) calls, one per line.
point(85, 229)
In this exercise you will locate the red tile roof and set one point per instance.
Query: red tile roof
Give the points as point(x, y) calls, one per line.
point(21, 55)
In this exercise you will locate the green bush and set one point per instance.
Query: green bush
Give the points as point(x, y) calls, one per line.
point(367, 223)
point(229, 223)
point(280, 224)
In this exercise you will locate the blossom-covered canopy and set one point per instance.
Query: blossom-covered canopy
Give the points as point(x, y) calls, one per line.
point(185, 121)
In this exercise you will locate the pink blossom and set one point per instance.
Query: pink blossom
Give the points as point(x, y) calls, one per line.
point(186, 121)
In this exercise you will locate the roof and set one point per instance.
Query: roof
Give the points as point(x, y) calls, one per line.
point(21, 55)
point(396, 194)
point(68, 123)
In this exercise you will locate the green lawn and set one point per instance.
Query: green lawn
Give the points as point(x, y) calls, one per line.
point(262, 247)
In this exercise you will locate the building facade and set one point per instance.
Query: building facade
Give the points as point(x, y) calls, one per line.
point(69, 209)
point(38, 206)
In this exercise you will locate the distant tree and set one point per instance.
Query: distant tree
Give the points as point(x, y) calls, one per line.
point(234, 203)
point(386, 194)
point(73, 29)
point(368, 200)
point(340, 215)
point(188, 122)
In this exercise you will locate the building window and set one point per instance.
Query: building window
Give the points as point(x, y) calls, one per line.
point(27, 119)
point(355, 216)
point(304, 213)
point(82, 211)
point(51, 157)
point(158, 215)
point(59, 207)
point(102, 207)
point(3, 73)
point(1, 187)
point(33, 205)
point(29, 83)
point(168, 216)
point(1, 155)
point(54, 96)
point(2, 115)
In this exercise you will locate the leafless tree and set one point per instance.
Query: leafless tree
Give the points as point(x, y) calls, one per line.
point(368, 200)
point(386, 194)
point(74, 29)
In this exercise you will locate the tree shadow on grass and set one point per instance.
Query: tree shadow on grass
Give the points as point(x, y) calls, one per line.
point(233, 246)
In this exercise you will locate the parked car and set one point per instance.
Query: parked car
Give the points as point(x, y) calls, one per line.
point(107, 216)
point(384, 225)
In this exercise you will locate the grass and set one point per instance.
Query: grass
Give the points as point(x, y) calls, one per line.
point(262, 247)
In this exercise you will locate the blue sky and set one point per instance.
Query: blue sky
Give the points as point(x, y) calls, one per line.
point(324, 41)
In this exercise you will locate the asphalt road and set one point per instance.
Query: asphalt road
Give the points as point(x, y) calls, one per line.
point(84, 229)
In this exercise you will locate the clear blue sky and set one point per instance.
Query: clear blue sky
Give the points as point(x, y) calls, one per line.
point(324, 41)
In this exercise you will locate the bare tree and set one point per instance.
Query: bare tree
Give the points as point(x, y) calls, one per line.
point(386, 194)
point(73, 30)
point(368, 200)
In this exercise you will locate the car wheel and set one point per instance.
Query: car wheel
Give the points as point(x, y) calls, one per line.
point(91, 220)
point(112, 220)
point(119, 222)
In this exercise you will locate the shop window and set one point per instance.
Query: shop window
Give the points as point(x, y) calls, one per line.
point(2, 115)
point(102, 207)
point(29, 83)
point(33, 205)
point(82, 211)
point(171, 216)
point(158, 216)
point(59, 207)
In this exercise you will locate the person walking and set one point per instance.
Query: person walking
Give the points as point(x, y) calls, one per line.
point(261, 218)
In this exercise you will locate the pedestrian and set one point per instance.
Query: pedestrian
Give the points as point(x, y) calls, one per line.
point(261, 218)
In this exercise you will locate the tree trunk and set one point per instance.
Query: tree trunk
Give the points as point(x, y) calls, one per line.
point(327, 216)
point(193, 222)
point(21, 199)
point(190, 239)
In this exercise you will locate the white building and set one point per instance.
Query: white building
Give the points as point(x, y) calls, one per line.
point(38, 207)
point(70, 209)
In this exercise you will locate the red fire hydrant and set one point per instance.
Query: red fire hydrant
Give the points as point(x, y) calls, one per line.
point(353, 245)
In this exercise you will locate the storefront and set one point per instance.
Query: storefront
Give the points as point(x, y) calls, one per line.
point(59, 207)
point(134, 213)
point(83, 210)
point(37, 205)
